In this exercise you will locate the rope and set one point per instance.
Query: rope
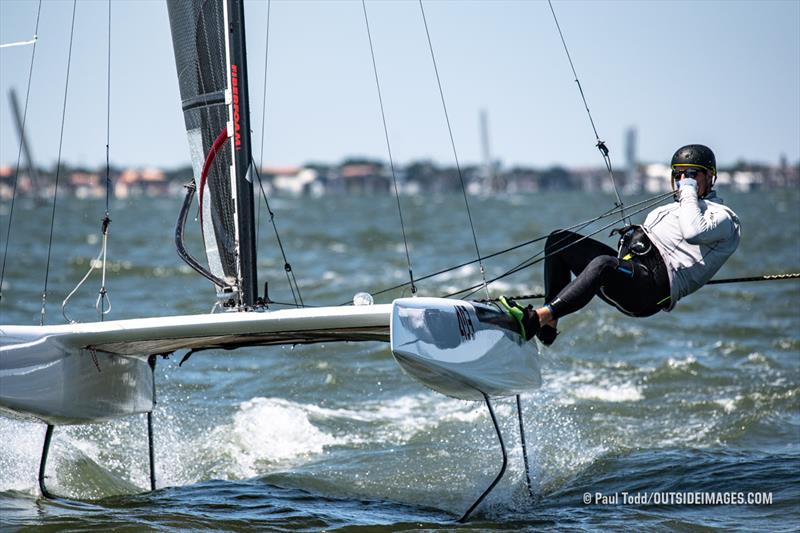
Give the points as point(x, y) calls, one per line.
point(535, 259)
point(601, 145)
point(19, 153)
point(287, 267)
point(93, 264)
point(22, 43)
point(58, 167)
point(389, 149)
point(263, 109)
point(575, 227)
point(455, 152)
point(764, 277)
point(102, 294)
point(294, 287)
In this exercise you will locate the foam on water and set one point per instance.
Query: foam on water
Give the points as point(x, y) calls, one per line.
point(20, 454)
point(627, 392)
point(268, 430)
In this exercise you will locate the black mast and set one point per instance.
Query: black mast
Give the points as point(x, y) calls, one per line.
point(242, 151)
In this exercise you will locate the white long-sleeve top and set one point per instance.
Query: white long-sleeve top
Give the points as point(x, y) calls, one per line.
point(695, 238)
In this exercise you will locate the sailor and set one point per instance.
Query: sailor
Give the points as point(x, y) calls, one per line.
point(676, 251)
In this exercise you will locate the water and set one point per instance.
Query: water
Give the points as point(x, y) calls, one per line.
point(323, 437)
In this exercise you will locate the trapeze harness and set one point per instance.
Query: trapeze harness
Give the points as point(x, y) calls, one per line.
point(633, 279)
point(638, 255)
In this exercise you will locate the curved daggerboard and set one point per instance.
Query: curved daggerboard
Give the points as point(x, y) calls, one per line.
point(463, 349)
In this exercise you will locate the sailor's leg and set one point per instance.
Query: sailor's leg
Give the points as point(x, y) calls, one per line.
point(600, 271)
point(43, 462)
point(524, 448)
point(502, 469)
point(568, 253)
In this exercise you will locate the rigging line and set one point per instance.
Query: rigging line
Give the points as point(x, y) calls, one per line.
point(535, 259)
point(294, 287)
point(649, 203)
point(601, 145)
point(263, 110)
point(19, 153)
point(102, 295)
point(389, 149)
point(58, 166)
point(92, 265)
point(286, 265)
point(455, 152)
point(578, 226)
point(21, 43)
point(763, 277)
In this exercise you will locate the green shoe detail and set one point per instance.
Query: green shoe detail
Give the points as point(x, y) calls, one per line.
point(515, 311)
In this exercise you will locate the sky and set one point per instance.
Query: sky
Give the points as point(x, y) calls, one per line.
point(721, 73)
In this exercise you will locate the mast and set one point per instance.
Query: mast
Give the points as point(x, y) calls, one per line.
point(240, 139)
point(26, 151)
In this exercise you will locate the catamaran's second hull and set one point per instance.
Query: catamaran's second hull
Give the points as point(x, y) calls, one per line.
point(466, 350)
point(45, 378)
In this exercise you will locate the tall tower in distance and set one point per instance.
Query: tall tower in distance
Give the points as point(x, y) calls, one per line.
point(631, 160)
point(488, 166)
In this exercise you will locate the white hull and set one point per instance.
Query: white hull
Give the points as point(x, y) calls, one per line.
point(80, 373)
point(463, 349)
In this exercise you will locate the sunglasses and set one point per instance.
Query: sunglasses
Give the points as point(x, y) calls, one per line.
point(690, 173)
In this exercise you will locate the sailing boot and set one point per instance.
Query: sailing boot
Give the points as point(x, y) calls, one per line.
point(547, 334)
point(526, 317)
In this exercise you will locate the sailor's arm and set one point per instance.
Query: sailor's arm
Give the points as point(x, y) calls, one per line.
point(698, 227)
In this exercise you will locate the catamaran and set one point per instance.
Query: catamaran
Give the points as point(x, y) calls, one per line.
point(80, 373)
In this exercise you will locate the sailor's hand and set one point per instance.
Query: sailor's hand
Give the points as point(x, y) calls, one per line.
point(687, 182)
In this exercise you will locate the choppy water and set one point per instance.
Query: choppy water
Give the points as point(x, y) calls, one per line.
point(703, 399)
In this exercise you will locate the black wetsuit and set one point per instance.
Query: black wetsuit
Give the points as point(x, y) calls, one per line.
point(637, 285)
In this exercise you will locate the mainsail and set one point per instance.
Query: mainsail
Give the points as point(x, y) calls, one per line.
point(212, 74)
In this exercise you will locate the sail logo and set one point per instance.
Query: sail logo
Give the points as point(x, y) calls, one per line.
point(237, 135)
point(465, 326)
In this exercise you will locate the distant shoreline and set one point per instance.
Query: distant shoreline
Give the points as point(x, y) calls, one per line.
point(369, 176)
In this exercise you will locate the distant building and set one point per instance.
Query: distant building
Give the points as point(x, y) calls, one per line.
point(146, 182)
point(364, 178)
point(292, 180)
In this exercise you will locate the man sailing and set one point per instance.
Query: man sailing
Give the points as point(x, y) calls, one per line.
point(676, 251)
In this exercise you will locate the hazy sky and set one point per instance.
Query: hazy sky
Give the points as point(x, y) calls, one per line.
point(726, 74)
